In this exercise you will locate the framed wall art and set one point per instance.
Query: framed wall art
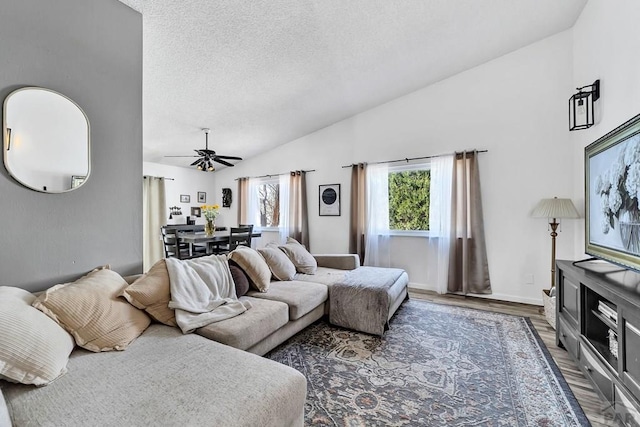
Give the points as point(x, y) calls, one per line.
point(196, 211)
point(202, 197)
point(329, 200)
point(185, 198)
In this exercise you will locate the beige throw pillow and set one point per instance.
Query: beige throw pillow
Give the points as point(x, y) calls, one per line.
point(33, 348)
point(280, 265)
point(152, 292)
point(90, 310)
point(252, 263)
point(300, 257)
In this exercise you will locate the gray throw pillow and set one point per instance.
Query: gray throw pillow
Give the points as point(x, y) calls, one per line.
point(280, 265)
point(300, 257)
point(239, 278)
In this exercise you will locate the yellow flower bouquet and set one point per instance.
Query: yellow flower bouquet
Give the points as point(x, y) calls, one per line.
point(210, 213)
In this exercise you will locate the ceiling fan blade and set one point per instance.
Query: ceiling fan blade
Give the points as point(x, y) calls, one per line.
point(210, 152)
point(229, 157)
point(196, 162)
point(181, 156)
point(217, 159)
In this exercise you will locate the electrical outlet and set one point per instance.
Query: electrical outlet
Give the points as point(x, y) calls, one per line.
point(528, 279)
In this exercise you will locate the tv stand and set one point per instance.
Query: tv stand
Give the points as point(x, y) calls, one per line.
point(598, 323)
point(580, 261)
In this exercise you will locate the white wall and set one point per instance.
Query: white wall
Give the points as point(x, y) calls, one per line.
point(91, 52)
point(514, 106)
point(185, 181)
point(605, 45)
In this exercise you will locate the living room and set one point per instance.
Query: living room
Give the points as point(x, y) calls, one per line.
point(514, 106)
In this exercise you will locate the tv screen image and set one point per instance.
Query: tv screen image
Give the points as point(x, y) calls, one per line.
point(612, 190)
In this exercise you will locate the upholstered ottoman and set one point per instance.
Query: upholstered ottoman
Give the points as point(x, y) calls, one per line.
point(366, 298)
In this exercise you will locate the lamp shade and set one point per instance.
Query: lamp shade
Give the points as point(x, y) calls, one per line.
point(555, 208)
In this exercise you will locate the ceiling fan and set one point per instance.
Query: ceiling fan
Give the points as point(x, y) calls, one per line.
point(206, 157)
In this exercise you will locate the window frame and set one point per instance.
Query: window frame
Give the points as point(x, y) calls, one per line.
point(264, 181)
point(423, 165)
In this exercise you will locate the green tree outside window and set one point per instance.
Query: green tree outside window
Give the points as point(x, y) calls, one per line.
point(409, 200)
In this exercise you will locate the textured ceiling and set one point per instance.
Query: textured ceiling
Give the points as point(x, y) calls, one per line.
point(261, 73)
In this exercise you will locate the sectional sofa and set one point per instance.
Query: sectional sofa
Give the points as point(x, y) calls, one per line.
point(167, 378)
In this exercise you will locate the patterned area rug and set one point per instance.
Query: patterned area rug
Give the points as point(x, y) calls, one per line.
point(437, 366)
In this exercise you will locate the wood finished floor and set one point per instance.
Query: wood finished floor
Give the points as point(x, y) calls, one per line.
point(581, 387)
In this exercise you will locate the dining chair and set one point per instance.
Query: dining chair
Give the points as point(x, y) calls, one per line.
point(174, 248)
point(250, 227)
point(237, 236)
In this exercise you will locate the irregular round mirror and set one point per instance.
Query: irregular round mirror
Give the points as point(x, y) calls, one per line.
point(46, 140)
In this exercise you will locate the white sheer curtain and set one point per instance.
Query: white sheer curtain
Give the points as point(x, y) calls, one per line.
point(154, 215)
point(440, 227)
point(377, 252)
point(285, 223)
point(253, 208)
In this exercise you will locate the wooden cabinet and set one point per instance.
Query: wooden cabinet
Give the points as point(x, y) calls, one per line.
point(598, 318)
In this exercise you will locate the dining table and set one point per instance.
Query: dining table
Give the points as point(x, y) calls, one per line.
point(219, 238)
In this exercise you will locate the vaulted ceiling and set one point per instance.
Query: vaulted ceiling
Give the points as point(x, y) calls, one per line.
point(261, 73)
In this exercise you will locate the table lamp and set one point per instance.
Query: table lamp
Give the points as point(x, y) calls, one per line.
point(554, 209)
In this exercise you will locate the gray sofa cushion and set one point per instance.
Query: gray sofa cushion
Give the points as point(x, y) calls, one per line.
point(244, 331)
point(301, 297)
point(164, 378)
point(324, 275)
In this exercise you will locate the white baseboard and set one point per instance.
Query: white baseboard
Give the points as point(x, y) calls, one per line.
point(498, 297)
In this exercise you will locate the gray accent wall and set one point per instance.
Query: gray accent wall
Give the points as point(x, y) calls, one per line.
point(90, 51)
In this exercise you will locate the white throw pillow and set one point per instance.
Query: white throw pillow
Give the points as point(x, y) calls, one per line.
point(34, 349)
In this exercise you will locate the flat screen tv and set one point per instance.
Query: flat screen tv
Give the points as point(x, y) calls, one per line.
point(612, 190)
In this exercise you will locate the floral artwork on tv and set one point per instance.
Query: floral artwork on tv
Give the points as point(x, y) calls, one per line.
point(612, 166)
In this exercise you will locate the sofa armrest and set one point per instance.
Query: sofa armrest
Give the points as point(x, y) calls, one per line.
point(338, 261)
point(132, 278)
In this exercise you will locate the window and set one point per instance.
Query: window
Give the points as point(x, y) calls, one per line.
point(409, 197)
point(268, 209)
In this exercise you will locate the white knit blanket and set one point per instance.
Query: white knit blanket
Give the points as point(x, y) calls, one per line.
point(203, 292)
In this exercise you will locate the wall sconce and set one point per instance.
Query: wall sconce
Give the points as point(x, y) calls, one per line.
point(581, 106)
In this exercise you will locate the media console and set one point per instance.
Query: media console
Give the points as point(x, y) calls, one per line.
point(598, 323)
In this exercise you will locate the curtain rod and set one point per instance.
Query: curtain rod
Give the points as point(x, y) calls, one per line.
point(408, 159)
point(158, 177)
point(275, 174)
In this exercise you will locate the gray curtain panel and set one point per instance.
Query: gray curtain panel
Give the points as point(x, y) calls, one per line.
point(243, 199)
point(298, 212)
point(358, 210)
point(468, 266)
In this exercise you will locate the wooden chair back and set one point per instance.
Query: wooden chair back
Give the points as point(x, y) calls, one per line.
point(240, 236)
point(172, 245)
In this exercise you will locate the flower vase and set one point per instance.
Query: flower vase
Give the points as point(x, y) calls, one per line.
point(210, 228)
point(630, 230)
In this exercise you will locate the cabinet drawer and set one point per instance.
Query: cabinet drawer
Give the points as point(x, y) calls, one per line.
point(625, 409)
point(596, 372)
point(631, 361)
point(568, 338)
point(569, 297)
